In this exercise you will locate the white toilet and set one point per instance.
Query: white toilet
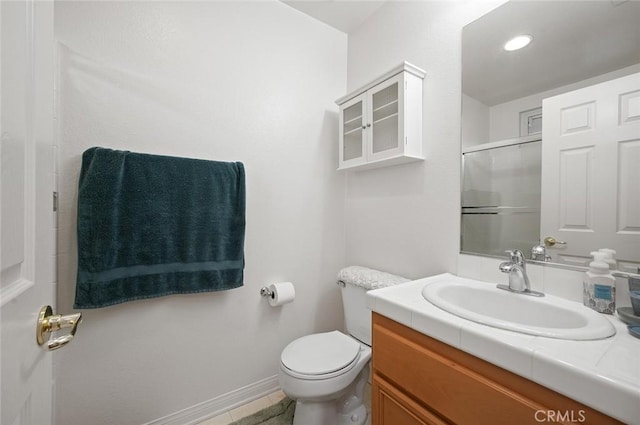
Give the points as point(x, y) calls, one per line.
point(326, 373)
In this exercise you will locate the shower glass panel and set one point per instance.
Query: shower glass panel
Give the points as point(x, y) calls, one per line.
point(501, 199)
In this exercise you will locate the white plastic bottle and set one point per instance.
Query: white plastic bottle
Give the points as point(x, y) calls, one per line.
point(599, 286)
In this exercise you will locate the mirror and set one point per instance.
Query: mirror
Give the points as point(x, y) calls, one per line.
point(551, 132)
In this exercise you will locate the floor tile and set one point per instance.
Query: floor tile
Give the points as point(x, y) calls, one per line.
point(250, 408)
point(276, 396)
point(224, 419)
point(264, 402)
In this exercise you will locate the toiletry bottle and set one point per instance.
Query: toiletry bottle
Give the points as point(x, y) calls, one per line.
point(599, 286)
point(609, 258)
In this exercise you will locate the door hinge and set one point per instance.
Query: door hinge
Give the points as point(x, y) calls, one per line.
point(55, 201)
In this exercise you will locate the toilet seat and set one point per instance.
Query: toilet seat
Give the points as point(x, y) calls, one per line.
point(320, 356)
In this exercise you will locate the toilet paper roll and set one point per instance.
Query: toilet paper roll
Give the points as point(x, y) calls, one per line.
point(281, 293)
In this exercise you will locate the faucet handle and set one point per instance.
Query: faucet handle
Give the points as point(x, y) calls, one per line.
point(511, 252)
point(539, 253)
point(516, 256)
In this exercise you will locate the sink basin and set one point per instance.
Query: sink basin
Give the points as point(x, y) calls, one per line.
point(549, 316)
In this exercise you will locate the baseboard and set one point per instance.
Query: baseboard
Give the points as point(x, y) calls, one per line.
point(218, 405)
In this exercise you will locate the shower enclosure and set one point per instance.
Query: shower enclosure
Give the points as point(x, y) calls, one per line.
point(501, 197)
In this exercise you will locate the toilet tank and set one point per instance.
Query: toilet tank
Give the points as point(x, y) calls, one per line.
point(357, 316)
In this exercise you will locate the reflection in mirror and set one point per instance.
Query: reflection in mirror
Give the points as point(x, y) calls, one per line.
point(551, 132)
point(501, 203)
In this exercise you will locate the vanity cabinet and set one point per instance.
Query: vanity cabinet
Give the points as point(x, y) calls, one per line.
point(381, 123)
point(419, 380)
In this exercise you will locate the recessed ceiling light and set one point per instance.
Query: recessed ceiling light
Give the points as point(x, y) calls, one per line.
point(517, 43)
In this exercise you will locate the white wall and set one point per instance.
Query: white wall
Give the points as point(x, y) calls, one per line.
point(406, 219)
point(247, 81)
point(475, 122)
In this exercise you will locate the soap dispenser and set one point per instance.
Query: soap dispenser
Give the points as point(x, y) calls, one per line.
point(599, 285)
point(609, 254)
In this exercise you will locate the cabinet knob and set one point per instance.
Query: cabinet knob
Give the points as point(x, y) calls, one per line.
point(364, 127)
point(368, 125)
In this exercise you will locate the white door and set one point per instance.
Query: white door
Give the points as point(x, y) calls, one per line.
point(26, 214)
point(591, 172)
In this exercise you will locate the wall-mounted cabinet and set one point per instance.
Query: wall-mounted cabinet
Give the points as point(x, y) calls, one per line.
point(381, 123)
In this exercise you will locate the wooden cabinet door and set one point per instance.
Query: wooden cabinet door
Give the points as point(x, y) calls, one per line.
point(418, 380)
point(392, 407)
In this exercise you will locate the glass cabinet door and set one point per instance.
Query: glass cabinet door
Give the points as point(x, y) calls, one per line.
point(352, 127)
point(386, 118)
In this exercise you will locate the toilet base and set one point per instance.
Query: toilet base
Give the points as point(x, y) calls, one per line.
point(347, 409)
point(316, 413)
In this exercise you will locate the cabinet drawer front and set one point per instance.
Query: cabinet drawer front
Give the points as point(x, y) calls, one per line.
point(454, 391)
point(392, 407)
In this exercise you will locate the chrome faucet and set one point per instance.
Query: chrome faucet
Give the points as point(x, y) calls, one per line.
point(539, 253)
point(518, 278)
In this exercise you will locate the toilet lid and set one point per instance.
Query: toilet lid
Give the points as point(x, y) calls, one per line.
point(321, 353)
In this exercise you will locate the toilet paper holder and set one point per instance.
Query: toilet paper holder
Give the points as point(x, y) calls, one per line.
point(266, 292)
point(278, 293)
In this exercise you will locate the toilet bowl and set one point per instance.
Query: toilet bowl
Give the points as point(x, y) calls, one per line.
point(326, 374)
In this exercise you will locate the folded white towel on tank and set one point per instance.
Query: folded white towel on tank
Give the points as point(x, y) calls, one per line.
point(369, 278)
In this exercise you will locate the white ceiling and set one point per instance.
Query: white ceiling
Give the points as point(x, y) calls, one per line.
point(572, 41)
point(344, 15)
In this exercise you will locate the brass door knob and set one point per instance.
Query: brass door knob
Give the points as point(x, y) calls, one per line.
point(48, 323)
point(551, 241)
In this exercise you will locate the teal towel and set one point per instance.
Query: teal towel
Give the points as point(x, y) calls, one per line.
point(151, 225)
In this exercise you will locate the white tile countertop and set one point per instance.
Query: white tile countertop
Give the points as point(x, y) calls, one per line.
point(603, 374)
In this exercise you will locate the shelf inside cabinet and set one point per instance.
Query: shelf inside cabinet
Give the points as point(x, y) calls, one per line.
point(352, 130)
point(394, 102)
point(358, 118)
point(386, 117)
